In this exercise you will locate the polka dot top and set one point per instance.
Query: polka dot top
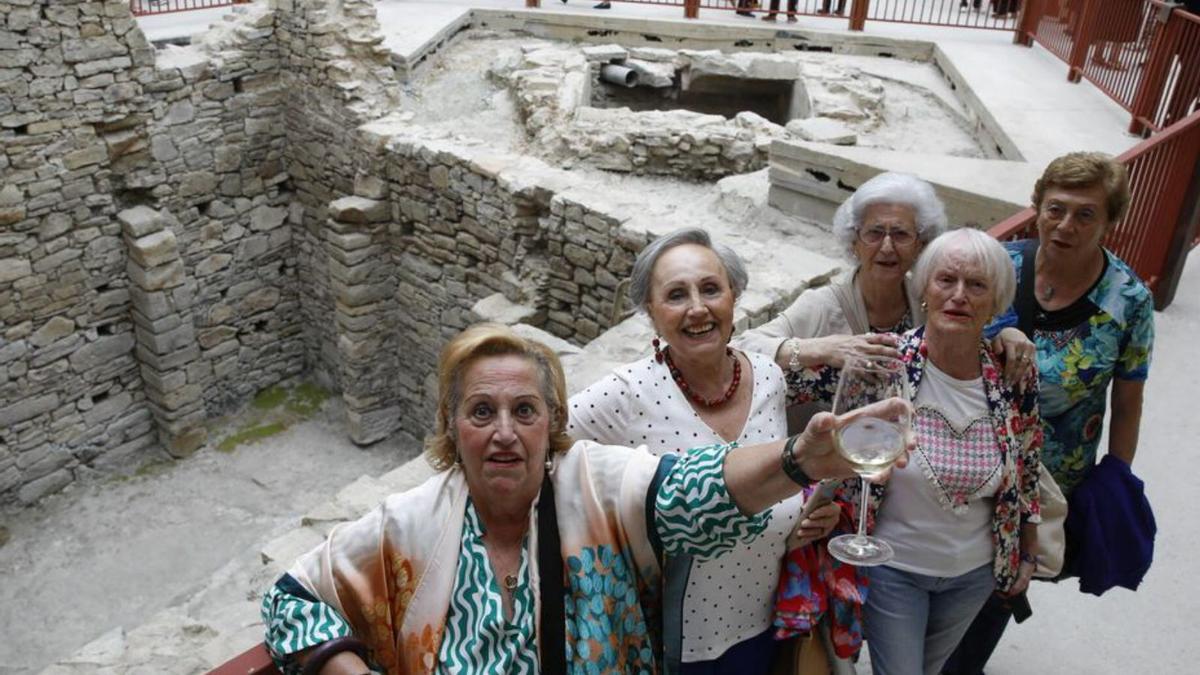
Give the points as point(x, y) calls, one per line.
point(728, 599)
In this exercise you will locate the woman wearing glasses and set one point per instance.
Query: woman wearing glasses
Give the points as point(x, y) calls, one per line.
point(883, 226)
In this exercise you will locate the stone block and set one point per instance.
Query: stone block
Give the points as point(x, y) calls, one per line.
point(184, 444)
point(259, 301)
point(211, 337)
point(36, 489)
point(500, 309)
point(53, 330)
point(101, 352)
point(325, 517)
point(156, 278)
point(358, 210)
point(197, 183)
point(152, 250)
point(180, 112)
point(85, 157)
point(267, 218)
point(12, 269)
point(605, 53)
point(366, 427)
point(140, 221)
point(362, 495)
point(212, 264)
point(290, 546)
point(823, 130)
point(27, 408)
point(407, 476)
point(92, 49)
point(108, 409)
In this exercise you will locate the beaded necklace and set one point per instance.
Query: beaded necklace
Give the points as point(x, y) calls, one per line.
point(697, 398)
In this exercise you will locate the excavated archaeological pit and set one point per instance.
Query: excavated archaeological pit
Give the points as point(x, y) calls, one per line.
point(693, 115)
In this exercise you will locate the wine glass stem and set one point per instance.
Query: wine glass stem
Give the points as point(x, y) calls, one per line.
point(862, 511)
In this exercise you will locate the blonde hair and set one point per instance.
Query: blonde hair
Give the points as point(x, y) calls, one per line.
point(486, 340)
point(1084, 170)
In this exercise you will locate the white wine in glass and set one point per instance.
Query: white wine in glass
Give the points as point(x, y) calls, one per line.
point(871, 444)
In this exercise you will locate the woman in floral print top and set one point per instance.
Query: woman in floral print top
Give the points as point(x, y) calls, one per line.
point(962, 515)
point(1093, 325)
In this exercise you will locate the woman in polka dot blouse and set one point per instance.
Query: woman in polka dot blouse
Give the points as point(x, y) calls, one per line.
point(696, 391)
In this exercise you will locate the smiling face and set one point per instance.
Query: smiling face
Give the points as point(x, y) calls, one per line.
point(959, 296)
point(691, 301)
point(1072, 222)
point(502, 429)
point(885, 260)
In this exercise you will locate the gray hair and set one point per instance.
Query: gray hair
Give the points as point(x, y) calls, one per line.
point(978, 247)
point(643, 266)
point(890, 188)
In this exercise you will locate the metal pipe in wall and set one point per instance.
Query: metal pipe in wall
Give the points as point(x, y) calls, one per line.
point(626, 77)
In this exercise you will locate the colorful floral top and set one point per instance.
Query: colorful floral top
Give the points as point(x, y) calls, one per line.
point(406, 579)
point(1015, 421)
point(1108, 333)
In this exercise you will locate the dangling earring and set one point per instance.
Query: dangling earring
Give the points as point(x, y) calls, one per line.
point(658, 355)
point(549, 463)
point(457, 458)
point(924, 307)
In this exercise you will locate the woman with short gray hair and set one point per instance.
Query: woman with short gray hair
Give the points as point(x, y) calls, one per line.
point(883, 226)
point(961, 516)
point(694, 391)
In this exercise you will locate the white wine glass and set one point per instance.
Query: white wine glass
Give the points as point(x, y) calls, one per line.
point(871, 444)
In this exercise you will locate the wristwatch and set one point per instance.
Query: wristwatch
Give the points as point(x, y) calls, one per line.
point(791, 467)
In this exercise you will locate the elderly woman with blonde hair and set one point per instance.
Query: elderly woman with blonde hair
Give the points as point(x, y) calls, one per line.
point(525, 553)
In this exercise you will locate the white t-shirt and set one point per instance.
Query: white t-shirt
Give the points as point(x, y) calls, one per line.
point(731, 598)
point(937, 513)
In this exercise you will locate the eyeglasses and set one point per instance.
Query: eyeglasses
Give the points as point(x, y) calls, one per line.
point(898, 235)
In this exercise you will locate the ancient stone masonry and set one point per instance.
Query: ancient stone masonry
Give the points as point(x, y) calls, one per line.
point(122, 325)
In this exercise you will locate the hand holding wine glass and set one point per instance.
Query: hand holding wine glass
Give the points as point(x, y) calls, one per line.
point(873, 431)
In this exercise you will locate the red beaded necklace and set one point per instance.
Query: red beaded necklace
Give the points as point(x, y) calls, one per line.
point(697, 398)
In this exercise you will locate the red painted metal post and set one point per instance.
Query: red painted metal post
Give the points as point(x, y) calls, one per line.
point(1184, 234)
point(1150, 89)
point(691, 9)
point(1084, 30)
point(533, 3)
point(858, 14)
point(1027, 20)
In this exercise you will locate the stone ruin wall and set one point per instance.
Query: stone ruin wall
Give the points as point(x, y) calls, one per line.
point(177, 236)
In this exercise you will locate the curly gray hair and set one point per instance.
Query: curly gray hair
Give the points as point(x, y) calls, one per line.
point(643, 266)
point(890, 188)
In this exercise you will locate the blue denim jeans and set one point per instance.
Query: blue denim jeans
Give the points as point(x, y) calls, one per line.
point(914, 621)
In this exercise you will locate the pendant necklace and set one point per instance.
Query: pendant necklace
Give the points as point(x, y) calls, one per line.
point(510, 582)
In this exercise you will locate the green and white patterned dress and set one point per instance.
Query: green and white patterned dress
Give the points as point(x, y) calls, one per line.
point(618, 510)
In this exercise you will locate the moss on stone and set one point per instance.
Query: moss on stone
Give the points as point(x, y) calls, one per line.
point(270, 398)
point(306, 398)
point(250, 434)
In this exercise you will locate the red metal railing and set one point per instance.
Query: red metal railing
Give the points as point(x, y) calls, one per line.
point(147, 7)
point(1161, 226)
point(989, 14)
point(1144, 54)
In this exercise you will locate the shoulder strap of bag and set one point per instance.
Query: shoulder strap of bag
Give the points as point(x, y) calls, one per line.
point(1025, 302)
point(550, 562)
